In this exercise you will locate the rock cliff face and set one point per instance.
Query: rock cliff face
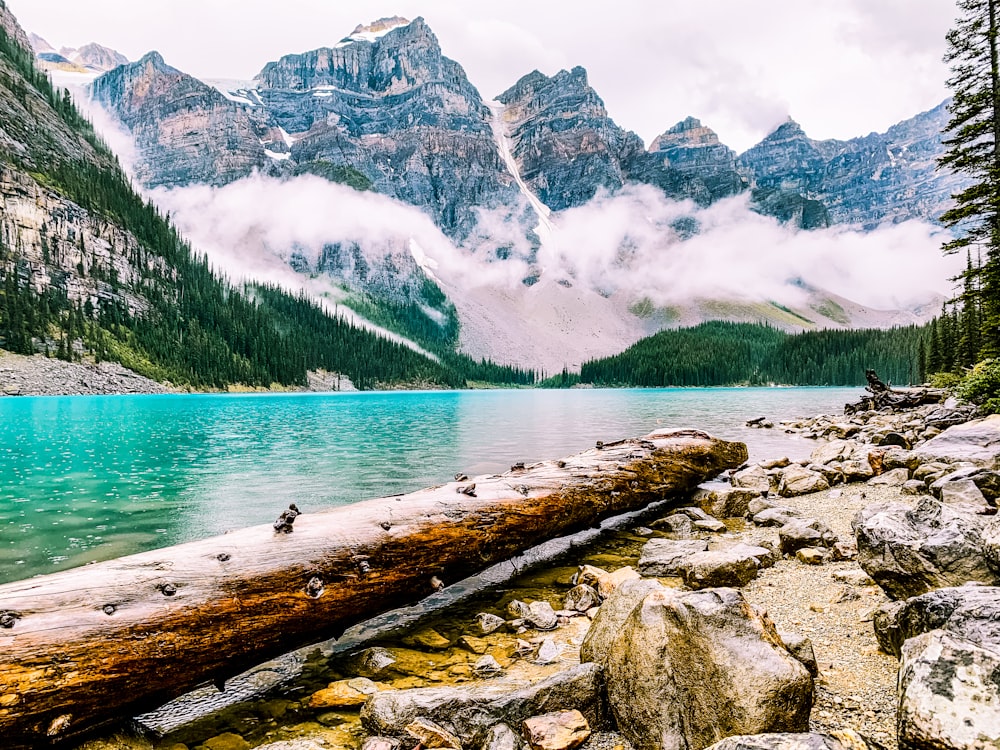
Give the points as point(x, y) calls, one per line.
point(881, 177)
point(566, 146)
point(186, 131)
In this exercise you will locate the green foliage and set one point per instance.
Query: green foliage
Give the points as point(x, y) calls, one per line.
point(565, 379)
point(340, 173)
point(973, 148)
point(719, 353)
point(946, 380)
point(982, 386)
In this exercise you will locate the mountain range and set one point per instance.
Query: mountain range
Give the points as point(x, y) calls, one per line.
point(383, 110)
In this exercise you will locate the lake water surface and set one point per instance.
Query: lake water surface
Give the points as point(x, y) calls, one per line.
point(91, 478)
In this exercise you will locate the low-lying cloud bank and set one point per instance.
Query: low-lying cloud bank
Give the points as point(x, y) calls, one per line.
point(629, 243)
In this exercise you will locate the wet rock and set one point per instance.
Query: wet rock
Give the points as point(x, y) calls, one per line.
point(431, 735)
point(371, 662)
point(802, 649)
point(226, 741)
point(845, 739)
point(909, 551)
point(977, 442)
point(502, 737)
point(689, 668)
point(427, 638)
point(718, 568)
point(487, 666)
point(541, 616)
point(612, 615)
point(949, 693)
point(811, 555)
point(891, 478)
point(473, 645)
point(582, 597)
point(970, 611)
point(676, 523)
point(470, 712)
point(548, 652)
point(344, 694)
point(661, 557)
point(797, 480)
point(489, 623)
point(561, 730)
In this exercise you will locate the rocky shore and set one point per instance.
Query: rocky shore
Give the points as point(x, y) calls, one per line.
point(850, 600)
point(38, 375)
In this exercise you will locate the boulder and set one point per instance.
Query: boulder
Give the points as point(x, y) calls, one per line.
point(797, 535)
point(754, 478)
point(857, 470)
point(811, 555)
point(608, 582)
point(675, 523)
point(711, 525)
point(909, 551)
point(986, 481)
point(802, 649)
point(541, 616)
point(797, 480)
point(723, 500)
point(431, 735)
point(561, 730)
point(469, 712)
point(897, 458)
point(778, 515)
point(427, 638)
point(501, 737)
point(690, 668)
point(949, 693)
point(970, 611)
point(719, 568)
point(891, 478)
point(582, 597)
point(758, 505)
point(966, 494)
point(913, 487)
point(612, 615)
point(776, 463)
point(661, 557)
point(930, 468)
point(977, 441)
point(835, 450)
point(830, 472)
point(765, 556)
point(845, 739)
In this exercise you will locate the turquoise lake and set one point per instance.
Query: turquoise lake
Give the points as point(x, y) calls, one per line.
point(91, 478)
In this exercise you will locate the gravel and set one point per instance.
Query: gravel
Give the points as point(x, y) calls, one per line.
point(41, 376)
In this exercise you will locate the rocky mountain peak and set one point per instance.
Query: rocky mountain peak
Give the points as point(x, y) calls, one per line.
point(786, 131)
point(13, 29)
point(97, 57)
point(378, 28)
point(688, 132)
point(40, 45)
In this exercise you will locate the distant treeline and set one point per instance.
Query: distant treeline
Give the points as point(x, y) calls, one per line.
point(719, 353)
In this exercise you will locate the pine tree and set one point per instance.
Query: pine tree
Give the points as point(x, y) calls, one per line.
point(973, 148)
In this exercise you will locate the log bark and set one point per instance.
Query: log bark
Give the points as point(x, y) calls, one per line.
point(89, 646)
point(881, 395)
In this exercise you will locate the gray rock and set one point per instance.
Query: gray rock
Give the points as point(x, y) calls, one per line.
point(925, 470)
point(765, 556)
point(470, 712)
point(675, 523)
point(719, 568)
point(857, 470)
point(489, 623)
point(845, 739)
point(611, 617)
point(802, 649)
point(891, 478)
point(711, 525)
point(758, 505)
point(964, 493)
point(541, 616)
point(689, 668)
point(913, 487)
point(949, 694)
point(777, 516)
point(776, 463)
point(830, 472)
point(548, 652)
point(661, 557)
point(977, 442)
point(797, 535)
point(909, 551)
point(797, 480)
point(582, 597)
point(986, 481)
point(377, 743)
point(723, 500)
point(835, 450)
point(487, 666)
point(754, 478)
point(502, 737)
point(971, 612)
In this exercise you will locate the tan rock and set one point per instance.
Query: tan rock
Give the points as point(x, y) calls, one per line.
point(607, 583)
point(344, 693)
point(562, 730)
point(811, 555)
point(432, 735)
point(472, 644)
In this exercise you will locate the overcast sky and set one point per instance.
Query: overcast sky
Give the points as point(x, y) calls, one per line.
point(840, 67)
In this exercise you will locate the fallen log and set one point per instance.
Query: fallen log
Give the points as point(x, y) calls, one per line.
point(882, 395)
point(86, 647)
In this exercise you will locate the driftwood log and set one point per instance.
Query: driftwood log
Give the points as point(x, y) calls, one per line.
point(86, 647)
point(881, 395)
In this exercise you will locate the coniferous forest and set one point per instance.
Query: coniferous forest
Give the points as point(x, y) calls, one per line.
point(721, 353)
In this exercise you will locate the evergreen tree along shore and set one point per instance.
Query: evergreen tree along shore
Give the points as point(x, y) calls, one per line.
point(719, 353)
